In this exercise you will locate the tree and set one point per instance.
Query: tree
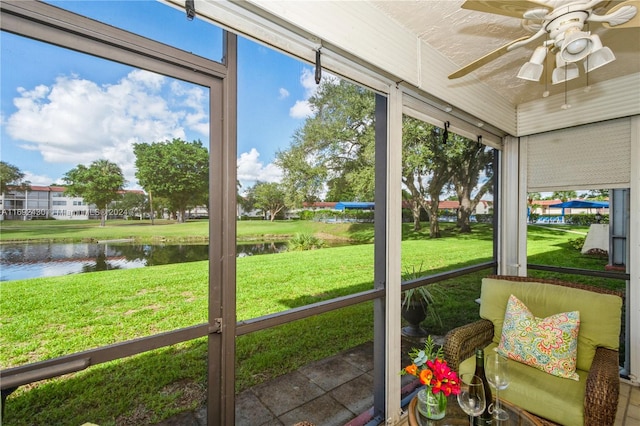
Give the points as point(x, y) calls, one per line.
point(440, 176)
point(424, 170)
point(469, 159)
point(134, 203)
point(269, 197)
point(532, 197)
point(302, 182)
point(335, 150)
point(10, 175)
point(175, 170)
point(565, 195)
point(335, 147)
point(98, 184)
point(597, 194)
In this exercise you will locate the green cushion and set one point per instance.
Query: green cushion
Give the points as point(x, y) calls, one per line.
point(554, 398)
point(600, 314)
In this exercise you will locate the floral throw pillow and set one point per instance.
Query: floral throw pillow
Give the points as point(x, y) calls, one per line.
point(548, 344)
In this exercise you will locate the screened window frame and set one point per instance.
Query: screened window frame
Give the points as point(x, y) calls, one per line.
point(52, 25)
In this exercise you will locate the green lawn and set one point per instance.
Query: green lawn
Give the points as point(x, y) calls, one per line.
point(170, 231)
point(48, 317)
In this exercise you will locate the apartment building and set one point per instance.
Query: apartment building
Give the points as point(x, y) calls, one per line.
point(45, 202)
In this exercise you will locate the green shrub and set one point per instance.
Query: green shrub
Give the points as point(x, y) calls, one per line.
point(577, 243)
point(584, 219)
point(305, 242)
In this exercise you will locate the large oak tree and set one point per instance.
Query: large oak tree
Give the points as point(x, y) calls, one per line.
point(98, 184)
point(334, 151)
point(175, 170)
point(11, 175)
point(268, 197)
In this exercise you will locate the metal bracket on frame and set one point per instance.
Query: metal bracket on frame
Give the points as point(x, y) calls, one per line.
point(216, 327)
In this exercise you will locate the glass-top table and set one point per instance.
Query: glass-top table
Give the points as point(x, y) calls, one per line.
point(455, 415)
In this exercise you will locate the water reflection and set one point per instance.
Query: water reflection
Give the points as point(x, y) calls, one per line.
point(33, 260)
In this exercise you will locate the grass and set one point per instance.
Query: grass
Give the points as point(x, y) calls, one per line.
point(171, 231)
point(48, 317)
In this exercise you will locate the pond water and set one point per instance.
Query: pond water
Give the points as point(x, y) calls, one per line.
point(33, 260)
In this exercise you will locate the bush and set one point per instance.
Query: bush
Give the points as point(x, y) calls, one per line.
point(577, 243)
point(305, 242)
point(307, 215)
point(584, 219)
point(340, 216)
point(484, 218)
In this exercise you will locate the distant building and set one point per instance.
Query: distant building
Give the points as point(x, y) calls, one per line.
point(542, 207)
point(46, 202)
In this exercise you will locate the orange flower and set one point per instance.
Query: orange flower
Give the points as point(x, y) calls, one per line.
point(426, 376)
point(411, 369)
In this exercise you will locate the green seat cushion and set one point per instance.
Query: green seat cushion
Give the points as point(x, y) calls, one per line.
point(553, 398)
point(600, 314)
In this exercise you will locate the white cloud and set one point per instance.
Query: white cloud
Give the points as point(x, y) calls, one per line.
point(77, 121)
point(251, 170)
point(284, 93)
point(302, 108)
point(308, 82)
point(38, 180)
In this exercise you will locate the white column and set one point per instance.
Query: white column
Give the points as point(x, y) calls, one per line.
point(512, 227)
point(393, 256)
point(633, 297)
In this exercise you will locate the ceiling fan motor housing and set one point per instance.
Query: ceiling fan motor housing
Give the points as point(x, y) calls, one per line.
point(565, 29)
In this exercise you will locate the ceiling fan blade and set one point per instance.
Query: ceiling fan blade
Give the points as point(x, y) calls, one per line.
point(633, 22)
point(513, 8)
point(485, 59)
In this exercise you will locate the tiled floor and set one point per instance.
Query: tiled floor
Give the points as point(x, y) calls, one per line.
point(628, 405)
point(336, 391)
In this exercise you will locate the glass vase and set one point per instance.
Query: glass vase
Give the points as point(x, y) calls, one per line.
point(430, 405)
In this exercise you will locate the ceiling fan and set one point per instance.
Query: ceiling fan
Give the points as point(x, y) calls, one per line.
point(562, 22)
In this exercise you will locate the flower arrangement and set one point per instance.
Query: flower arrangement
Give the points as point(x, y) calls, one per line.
point(432, 370)
point(430, 367)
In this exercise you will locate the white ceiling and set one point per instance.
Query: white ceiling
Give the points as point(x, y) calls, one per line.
point(465, 35)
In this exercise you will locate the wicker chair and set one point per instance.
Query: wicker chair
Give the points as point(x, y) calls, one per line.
point(603, 382)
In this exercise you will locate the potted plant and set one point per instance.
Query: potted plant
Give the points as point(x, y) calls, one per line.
point(417, 304)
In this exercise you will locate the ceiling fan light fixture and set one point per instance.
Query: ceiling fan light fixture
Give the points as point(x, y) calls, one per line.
point(532, 70)
point(564, 71)
point(599, 57)
point(576, 46)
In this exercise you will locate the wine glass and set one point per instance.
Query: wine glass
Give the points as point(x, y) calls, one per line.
point(471, 397)
point(497, 373)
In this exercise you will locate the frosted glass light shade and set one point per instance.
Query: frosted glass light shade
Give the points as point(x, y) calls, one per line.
point(565, 73)
point(599, 57)
point(576, 46)
point(532, 70)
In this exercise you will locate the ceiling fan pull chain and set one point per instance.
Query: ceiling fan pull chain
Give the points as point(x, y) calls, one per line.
point(566, 104)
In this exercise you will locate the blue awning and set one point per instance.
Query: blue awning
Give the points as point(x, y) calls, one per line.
point(581, 204)
point(354, 205)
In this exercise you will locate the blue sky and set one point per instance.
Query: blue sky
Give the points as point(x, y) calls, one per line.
point(61, 108)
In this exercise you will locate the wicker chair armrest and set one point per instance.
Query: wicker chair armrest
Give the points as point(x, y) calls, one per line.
point(603, 388)
point(462, 342)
